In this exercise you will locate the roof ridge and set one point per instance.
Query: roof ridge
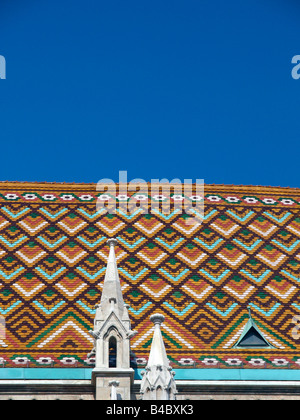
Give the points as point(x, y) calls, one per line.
point(63, 183)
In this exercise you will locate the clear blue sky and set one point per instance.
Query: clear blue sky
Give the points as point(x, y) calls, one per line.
point(160, 88)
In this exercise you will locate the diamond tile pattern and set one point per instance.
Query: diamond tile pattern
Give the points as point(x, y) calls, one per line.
point(201, 276)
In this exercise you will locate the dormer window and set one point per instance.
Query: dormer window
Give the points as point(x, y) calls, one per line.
point(252, 337)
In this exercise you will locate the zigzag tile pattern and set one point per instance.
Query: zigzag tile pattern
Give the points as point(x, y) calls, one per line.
point(201, 276)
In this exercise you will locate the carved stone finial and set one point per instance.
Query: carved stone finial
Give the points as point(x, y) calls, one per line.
point(157, 319)
point(113, 393)
point(112, 242)
point(114, 383)
point(158, 372)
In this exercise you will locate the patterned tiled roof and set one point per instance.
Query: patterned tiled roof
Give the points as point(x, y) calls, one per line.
point(200, 276)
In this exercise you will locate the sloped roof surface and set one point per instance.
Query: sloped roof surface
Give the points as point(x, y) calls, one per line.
point(200, 276)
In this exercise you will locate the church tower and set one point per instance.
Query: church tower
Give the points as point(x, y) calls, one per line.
point(112, 333)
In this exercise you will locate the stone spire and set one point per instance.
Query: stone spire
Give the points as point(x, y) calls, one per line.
point(112, 333)
point(158, 380)
point(113, 393)
point(112, 298)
